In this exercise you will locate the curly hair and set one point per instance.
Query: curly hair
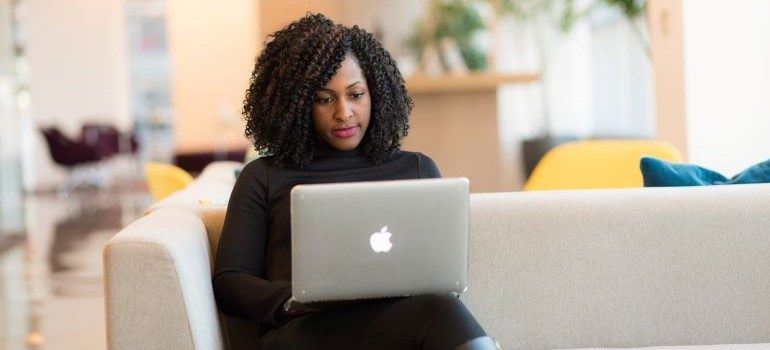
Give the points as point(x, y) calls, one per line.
point(300, 59)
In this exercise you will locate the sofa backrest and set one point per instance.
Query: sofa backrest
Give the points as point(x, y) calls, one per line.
point(622, 268)
point(616, 268)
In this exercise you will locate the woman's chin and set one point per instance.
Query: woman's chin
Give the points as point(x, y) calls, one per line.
point(344, 144)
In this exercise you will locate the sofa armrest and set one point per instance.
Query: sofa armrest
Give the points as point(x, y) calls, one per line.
point(158, 289)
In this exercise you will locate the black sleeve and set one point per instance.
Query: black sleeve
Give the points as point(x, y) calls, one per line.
point(240, 287)
point(427, 167)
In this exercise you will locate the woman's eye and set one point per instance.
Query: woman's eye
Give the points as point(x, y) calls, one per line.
point(323, 100)
point(357, 95)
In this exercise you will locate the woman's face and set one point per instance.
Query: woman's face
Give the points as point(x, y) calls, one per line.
point(342, 107)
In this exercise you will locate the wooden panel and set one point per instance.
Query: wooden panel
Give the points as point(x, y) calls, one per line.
point(459, 131)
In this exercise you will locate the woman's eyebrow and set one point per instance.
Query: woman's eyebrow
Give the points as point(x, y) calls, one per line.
point(348, 87)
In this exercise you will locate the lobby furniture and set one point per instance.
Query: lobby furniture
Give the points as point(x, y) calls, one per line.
point(601, 163)
point(195, 161)
point(77, 157)
point(164, 179)
point(600, 268)
point(107, 139)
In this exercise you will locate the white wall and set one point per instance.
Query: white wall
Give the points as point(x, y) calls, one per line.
point(621, 77)
point(597, 83)
point(598, 77)
point(727, 82)
point(77, 64)
point(10, 172)
point(10, 161)
point(568, 81)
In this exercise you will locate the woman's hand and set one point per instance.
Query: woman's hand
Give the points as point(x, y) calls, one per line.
point(291, 308)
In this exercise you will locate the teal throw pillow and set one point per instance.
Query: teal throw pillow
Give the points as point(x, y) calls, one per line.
point(659, 173)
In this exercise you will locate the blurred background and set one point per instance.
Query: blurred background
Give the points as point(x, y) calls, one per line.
point(91, 91)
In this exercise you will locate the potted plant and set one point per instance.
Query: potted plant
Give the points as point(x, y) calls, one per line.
point(447, 38)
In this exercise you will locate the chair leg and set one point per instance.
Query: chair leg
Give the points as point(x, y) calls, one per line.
point(64, 190)
point(93, 175)
point(72, 182)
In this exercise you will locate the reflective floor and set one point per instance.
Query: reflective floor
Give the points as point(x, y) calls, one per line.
point(51, 291)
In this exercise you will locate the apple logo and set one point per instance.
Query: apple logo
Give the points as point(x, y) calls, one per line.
point(380, 241)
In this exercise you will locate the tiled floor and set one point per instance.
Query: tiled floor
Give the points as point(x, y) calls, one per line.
point(51, 292)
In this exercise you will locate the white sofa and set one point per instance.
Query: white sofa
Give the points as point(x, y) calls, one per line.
point(674, 268)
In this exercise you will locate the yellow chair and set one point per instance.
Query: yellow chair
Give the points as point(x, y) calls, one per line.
point(597, 164)
point(165, 179)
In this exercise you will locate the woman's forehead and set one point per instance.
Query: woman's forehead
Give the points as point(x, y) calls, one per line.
point(348, 75)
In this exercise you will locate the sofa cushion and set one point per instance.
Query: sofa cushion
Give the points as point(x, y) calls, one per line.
point(660, 173)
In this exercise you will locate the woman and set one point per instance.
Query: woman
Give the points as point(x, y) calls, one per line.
point(327, 104)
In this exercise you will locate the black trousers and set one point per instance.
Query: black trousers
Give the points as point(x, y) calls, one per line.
point(430, 322)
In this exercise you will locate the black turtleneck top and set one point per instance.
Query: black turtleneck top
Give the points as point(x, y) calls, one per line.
point(252, 273)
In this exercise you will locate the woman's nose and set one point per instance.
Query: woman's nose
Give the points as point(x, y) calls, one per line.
point(343, 111)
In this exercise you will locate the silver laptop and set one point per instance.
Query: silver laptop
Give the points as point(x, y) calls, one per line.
point(379, 239)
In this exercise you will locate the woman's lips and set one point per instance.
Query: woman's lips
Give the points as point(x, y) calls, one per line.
point(344, 133)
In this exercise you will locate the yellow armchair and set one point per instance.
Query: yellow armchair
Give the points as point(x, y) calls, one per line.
point(165, 179)
point(597, 164)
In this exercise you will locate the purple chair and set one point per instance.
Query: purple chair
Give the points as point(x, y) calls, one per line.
point(66, 152)
point(106, 139)
point(72, 155)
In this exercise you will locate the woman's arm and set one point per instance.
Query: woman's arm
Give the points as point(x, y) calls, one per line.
point(240, 288)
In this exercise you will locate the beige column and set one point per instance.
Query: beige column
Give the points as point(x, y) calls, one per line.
point(667, 48)
point(212, 47)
